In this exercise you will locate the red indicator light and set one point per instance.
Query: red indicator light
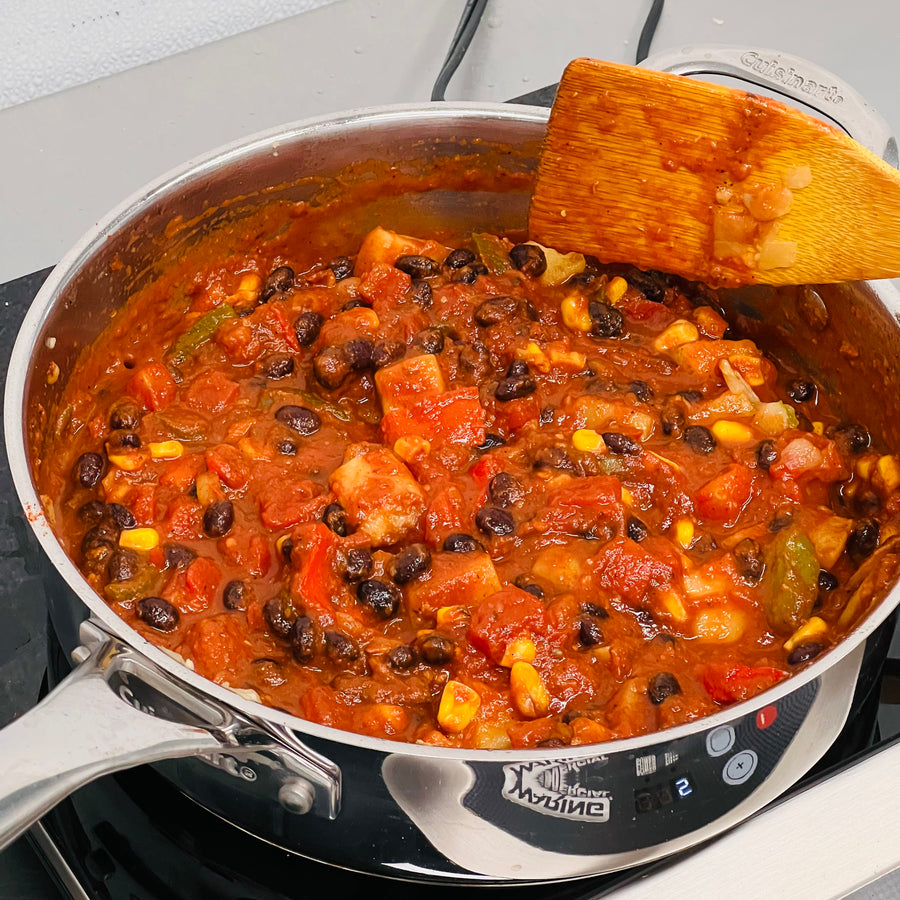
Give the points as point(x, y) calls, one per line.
point(766, 717)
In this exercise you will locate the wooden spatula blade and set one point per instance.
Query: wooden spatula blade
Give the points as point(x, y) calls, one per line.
point(708, 182)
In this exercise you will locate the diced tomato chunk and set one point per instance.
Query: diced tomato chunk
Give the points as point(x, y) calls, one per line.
point(229, 464)
point(723, 497)
point(181, 472)
point(314, 581)
point(729, 682)
point(443, 515)
point(202, 579)
point(287, 502)
point(142, 502)
point(504, 616)
point(513, 415)
point(211, 391)
point(153, 386)
point(216, 645)
point(630, 570)
point(384, 286)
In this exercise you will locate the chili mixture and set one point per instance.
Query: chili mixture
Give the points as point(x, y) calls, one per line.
point(483, 495)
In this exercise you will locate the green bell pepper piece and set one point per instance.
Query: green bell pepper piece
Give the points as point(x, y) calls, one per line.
point(790, 582)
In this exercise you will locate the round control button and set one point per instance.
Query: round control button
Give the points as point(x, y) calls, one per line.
point(740, 767)
point(720, 740)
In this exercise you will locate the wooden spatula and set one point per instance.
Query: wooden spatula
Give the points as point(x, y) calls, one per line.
point(709, 182)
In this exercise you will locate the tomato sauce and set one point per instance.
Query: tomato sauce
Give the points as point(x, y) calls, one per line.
point(467, 492)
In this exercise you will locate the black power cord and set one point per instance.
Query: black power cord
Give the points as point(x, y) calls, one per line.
point(468, 25)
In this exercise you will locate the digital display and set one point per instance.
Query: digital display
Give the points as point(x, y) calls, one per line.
point(663, 794)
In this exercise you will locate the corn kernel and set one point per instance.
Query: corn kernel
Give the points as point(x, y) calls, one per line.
point(728, 432)
point(458, 707)
point(865, 465)
point(534, 356)
point(888, 471)
point(818, 428)
point(139, 539)
point(684, 532)
point(520, 649)
point(130, 462)
point(248, 289)
point(451, 615)
point(709, 321)
point(627, 497)
point(209, 488)
point(615, 290)
point(529, 694)
point(575, 314)
point(679, 332)
point(411, 448)
point(811, 630)
point(165, 449)
point(588, 440)
point(279, 543)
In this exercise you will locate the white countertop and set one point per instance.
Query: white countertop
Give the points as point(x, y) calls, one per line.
point(69, 157)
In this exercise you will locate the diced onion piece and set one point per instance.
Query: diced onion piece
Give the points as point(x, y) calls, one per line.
point(561, 266)
point(776, 254)
point(767, 202)
point(798, 177)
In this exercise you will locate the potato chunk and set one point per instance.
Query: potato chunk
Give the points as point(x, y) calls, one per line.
point(378, 492)
point(407, 381)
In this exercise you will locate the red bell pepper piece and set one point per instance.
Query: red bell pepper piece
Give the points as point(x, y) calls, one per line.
point(727, 682)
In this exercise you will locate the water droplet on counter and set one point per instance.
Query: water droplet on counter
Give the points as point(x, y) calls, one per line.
point(525, 79)
point(357, 50)
point(494, 21)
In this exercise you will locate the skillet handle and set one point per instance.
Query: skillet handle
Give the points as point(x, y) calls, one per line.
point(790, 76)
point(83, 729)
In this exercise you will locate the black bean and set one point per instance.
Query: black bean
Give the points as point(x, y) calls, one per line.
point(386, 352)
point(287, 550)
point(524, 584)
point(641, 390)
point(495, 310)
point(545, 416)
point(303, 639)
point(278, 280)
point(780, 522)
point(490, 441)
point(218, 518)
point(493, 520)
point(528, 259)
point(342, 267)
point(804, 653)
point(750, 560)
point(468, 274)
point(98, 544)
point(636, 529)
point(88, 469)
point(410, 563)
point(339, 648)
point(417, 266)
point(671, 417)
point(379, 596)
point(286, 447)
point(827, 581)
point(863, 540)
point(429, 340)
point(277, 365)
point(766, 454)
point(356, 564)
point(589, 632)
point(661, 686)
point(420, 293)
point(334, 517)
point(356, 303)
point(866, 502)
point(235, 595)
point(359, 354)
point(851, 439)
point(178, 556)
point(125, 416)
point(158, 613)
point(621, 444)
point(456, 259)
point(651, 284)
point(280, 622)
point(691, 396)
point(307, 327)
point(699, 438)
point(595, 610)
point(123, 564)
point(402, 657)
point(435, 649)
point(518, 382)
point(517, 369)
point(553, 458)
point(505, 490)
point(123, 440)
point(121, 515)
point(461, 543)
point(800, 391)
point(474, 359)
point(331, 367)
point(606, 321)
point(92, 512)
point(302, 420)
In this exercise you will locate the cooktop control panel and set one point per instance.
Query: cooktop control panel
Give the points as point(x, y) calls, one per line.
point(630, 800)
